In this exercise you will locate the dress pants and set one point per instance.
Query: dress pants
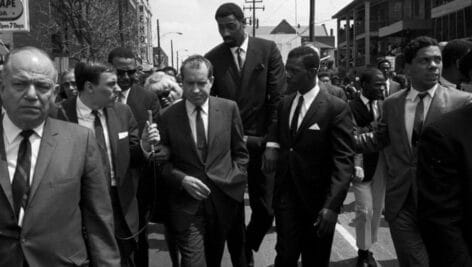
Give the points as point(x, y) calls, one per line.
point(126, 246)
point(370, 197)
point(411, 251)
point(260, 187)
point(296, 235)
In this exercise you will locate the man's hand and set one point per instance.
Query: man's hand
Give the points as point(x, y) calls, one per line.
point(161, 153)
point(358, 174)
point(326, 222)
point(196, 188)
point(150, 137)
point(269, 159)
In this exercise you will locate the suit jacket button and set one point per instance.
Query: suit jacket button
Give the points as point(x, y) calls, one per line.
point(23, 240)
point(291, 149)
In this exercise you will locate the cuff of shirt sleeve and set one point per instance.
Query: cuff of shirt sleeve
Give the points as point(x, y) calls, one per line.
point(272, 144)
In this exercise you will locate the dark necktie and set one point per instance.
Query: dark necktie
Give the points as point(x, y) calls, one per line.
point(240, 58)
point(296, 114)
point(21, 178)
point(102, 146)
point(201, 138)
point(419, 120)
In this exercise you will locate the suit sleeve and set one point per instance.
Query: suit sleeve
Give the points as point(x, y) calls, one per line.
point(171, 176)
point(276, 83)
point(136, 153)
point(97, 211)
point(343, 158)
point(239, 152)
point(376, 139)
point(440, 199)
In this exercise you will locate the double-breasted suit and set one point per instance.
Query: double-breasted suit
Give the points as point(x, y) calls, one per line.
point(68, 194)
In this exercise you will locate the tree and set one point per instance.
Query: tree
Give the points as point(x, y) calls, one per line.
point(88, 29)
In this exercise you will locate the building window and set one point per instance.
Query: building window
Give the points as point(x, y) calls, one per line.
point(452, 26)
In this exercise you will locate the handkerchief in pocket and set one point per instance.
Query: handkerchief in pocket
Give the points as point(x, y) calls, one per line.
point(122, 135)
point(314, 127)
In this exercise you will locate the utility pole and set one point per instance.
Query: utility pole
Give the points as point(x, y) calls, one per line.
point(312, 20)
point(255, 22)
point(158, 45)
point(172, 52)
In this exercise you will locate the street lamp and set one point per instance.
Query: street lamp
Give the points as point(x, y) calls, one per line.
point(159, 59)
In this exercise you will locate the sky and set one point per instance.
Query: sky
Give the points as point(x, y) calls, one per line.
point(195, 20)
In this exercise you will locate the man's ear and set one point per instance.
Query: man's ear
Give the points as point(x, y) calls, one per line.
point(88, 86)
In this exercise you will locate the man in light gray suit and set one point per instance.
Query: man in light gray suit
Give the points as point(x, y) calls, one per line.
point(405, 113)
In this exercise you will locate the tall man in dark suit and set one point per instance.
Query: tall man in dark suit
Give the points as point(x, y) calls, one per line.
point(404, 115)
point(392, 86)
point(250, 71)
point(368, 185)
point(444, 189)
point(116, 131)
point(315, 163)
point(206, 173)
point(53, 186)
point(140, 101)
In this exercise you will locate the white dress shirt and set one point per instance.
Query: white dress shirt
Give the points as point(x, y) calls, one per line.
point(12, 140)
point(125, 95)
point(308, 99)
point(375, 104)
point(192, 115)
point(86, 119)
point(243, 52)
point(411, 102)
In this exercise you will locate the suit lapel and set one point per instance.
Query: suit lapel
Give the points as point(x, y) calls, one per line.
point(285, 117)
point(232, 70)
point(214, 116)
point(311, 113)
point(182, 116)
point(113, 130)
point(400, 109)
point(46, 151)
point(252, 57)
point(4, 175)
point(437, 106)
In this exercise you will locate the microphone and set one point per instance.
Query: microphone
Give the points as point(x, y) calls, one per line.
point(150, 122)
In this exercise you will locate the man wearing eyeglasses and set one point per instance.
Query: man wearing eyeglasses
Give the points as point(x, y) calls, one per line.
point(140, 101)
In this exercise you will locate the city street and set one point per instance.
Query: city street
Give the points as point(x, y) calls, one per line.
point(343, 254)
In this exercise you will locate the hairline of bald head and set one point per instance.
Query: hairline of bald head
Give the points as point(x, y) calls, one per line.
point(6, 68)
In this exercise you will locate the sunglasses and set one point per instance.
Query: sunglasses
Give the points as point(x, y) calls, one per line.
point(123, 72)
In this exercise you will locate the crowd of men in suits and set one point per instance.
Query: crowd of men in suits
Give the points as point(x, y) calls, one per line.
point(80, 180)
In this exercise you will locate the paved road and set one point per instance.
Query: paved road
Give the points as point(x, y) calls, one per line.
point(343, 254)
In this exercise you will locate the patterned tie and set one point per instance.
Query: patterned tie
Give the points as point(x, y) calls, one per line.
point(100, 137)
point(419, 120)
point(201, 138)
point(296, 114)
point(240, 58)
point(21, 178)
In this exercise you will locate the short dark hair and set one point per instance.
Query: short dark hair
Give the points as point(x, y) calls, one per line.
point(89, 71)
point(465, 65)
point(383, 60)
point(169, 69)
point(194, 62)
point(228, 9)
point(368, 73)
point(309, 55)
point(454, 50)
point(123, 52)
point(412, 48)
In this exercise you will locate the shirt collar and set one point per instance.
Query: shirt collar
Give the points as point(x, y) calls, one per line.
point(12, 131)
point(191, 107)
point(364, 99)
point(309, 96)
point(243, 46)
point(413, 92)
point(83, 110)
